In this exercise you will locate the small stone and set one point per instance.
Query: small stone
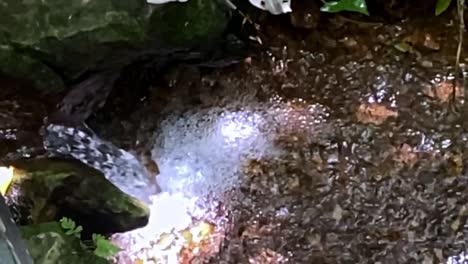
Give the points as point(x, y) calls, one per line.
point(313, 239)
point(337, 213)
point(455, 224)
point(439, 254)
point(428, 259)
point(426, 64)
point(410, 236)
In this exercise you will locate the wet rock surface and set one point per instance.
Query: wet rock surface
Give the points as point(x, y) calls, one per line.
point(54, 52)
point(20, 118)
point(49, 189)
point(12, 247)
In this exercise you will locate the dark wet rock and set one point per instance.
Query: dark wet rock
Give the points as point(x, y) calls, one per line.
point(52, 188)
point(66, 37)
point(52, 44)
point(180, 72)
point(20, 118)
point(13, 63)
point(127, 79)
point(191, 22)
point(49, 244)
point(12, 247)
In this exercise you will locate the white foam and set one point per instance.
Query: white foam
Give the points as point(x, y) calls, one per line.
point(203, 152)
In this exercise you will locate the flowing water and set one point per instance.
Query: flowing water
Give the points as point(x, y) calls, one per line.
point(119, 166)
point(347, 154)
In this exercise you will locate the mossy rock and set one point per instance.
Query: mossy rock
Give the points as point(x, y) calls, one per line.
point(189, 23)
point(54, 188)
point(54, 42)
point(25, 67)
point(59, 39)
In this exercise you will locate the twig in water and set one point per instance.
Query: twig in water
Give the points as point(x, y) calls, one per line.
point(461, 29)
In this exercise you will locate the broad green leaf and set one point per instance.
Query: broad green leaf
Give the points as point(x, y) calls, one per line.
point(104, 247)
point(97, 237)
point(70, 227)
point(441, 6)
point(359, 6)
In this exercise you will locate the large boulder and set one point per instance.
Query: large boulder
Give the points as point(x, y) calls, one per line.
point(48, 189)
point(53, 42)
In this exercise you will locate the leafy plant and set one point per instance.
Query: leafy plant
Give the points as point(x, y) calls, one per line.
point(70, 227)
point(102, 246)
point(441, 6)
point(359, 6)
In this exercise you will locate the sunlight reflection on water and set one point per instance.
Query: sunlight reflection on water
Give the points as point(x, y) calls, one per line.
point(202, 153)
point(459, 259)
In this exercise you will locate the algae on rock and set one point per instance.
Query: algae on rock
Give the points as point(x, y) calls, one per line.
point(55, 41)
point(193, 22)
point(54, 188)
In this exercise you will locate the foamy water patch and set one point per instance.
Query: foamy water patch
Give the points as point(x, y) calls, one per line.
point(203, 152)
point(201, 155)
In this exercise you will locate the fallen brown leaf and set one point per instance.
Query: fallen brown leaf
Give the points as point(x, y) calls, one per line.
point(430, 43)
point(202, 241)
point(422, 40)
point(267, 256)
point(374, 113)
point(251, 232)
point(443, 91)
point(406, 154)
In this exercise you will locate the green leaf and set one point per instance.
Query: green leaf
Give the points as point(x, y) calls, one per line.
point(70, 228)
point(104, 247)
point(78, 229)
point(97, 237)
point(441, 6)
point(67, 223)
point(359, 6)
